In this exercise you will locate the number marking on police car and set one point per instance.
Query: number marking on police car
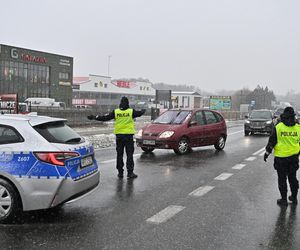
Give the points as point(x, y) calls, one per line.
point(23, 158)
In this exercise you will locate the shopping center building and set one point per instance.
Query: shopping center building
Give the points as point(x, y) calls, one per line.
point(32, 73)
point(102, 91)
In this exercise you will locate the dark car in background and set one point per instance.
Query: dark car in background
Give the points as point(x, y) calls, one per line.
point(259, 121)
point(181, 130)
point(279, 111)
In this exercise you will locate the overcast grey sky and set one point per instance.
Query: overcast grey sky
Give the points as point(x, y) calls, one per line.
point(213, 44)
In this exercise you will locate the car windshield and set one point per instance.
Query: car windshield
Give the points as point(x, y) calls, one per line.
point(261, 115)
point(58, 132)
point(172, 117)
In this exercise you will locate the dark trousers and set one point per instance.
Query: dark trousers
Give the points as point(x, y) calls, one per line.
point(287, 169)
point(125, 141)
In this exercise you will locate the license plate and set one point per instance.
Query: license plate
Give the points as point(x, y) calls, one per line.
point(149, 142)
point(86, 161)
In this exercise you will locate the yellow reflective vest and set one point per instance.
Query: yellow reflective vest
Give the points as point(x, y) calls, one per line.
point(288, 139)
point(124, 122)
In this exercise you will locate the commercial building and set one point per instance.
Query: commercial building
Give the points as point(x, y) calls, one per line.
point(32, 73)
point(186, 99)
point(102, 91)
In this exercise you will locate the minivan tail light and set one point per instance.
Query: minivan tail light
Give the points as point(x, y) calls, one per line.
point(55, 158)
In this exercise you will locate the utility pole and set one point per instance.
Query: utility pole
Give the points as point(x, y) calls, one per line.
point(108, 64)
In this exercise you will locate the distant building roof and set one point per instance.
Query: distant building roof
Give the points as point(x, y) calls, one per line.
point(80, 79)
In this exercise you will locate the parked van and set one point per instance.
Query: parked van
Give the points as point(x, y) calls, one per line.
point(44, 102)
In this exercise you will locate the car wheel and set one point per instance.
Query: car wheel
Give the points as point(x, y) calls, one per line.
point(183, 146)
point(147, 150)
point(247, 132)
point(10, 204)
point(220, 144)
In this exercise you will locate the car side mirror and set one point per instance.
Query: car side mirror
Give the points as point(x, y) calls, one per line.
point(193, 123)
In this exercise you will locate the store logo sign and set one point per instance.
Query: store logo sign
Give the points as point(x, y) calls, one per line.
point(14, 53)
point(26, 57)
point(124, 84)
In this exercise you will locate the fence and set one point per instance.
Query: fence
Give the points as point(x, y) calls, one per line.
point(78, 117)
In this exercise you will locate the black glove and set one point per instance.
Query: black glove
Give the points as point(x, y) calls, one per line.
point(91, 117)
point(266, 155)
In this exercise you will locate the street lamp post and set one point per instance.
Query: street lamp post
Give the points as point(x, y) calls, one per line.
point(108, 64)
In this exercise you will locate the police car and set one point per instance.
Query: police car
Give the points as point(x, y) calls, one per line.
point(43, 163)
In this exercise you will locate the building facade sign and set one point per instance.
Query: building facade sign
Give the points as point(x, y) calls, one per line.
point(26, 57)
point(124, 84)
point(84, 101)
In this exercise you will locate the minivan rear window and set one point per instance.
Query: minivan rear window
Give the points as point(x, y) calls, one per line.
point(58, 132)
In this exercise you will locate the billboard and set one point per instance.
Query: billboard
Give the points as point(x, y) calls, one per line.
point(220, 102)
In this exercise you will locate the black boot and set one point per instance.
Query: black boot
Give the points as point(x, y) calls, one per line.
point(293, 198)
point(131, 175)
point(120, 174)
point(282, 202)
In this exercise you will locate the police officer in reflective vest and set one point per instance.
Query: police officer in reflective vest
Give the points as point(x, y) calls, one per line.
point(124, 131)
point(285, 140)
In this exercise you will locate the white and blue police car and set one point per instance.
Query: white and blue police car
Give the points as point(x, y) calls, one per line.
point(43, 163)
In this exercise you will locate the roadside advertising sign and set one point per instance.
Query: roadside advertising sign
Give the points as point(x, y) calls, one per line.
point(220, 102)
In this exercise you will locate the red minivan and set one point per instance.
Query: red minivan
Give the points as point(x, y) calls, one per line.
point(182, 129)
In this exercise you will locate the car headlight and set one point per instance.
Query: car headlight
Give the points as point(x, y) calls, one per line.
point(140, 133)
point(268, 122)
point(247, 121)
point(166, 134)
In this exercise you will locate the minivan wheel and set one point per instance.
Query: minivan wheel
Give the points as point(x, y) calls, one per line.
point(147, 150)
point(183, 146)
point(10, 204)
point(220, 144)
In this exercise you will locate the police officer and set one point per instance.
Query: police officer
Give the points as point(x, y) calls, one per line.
point(124, 131)
point(285, 140)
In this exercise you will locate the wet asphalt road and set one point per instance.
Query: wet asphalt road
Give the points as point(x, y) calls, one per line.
point(239, 212)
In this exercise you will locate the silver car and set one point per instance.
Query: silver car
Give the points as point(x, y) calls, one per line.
point(43, 163)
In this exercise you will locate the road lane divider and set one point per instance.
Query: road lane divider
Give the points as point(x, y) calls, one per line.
point(251, 158)
point(223, 176)
point(259, 151)
point(165, 214)
point(238, 166)
point(262, 153)
point(201, 191)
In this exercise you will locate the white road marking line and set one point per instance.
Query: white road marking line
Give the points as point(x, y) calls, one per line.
point(201, 191)
point(258, 151)
point(113, 160)
point(165, 214)
point(223, 176)
point(261, 154)
point(108, 161)
point(98, 149)
point(238, 166)
point(236, 132)
point(251, 158)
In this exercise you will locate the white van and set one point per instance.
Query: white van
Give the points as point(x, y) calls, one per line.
point(44, 102)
